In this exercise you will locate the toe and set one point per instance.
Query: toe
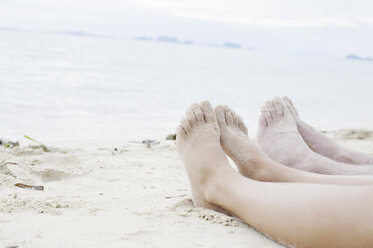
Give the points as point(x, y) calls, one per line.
point(291, 106)
point(196, 108)
point(270, 108)
point(278, 105)
point(242, 125)
point(185, 124)
point(208, 112)
point(262, 121)
point(228, 116)
point(190, 116)
point(234, 116)
point(180, 133)
point(286, 99)
point(220, 116)
point(288, 111)
point(262, 127)
point(266, 115)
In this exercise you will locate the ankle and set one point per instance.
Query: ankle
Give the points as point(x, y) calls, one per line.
point(254, 165)
point(214, 186)
point(263, 171)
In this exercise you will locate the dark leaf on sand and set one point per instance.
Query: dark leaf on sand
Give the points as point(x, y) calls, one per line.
point(171, 137)
point(25, 186)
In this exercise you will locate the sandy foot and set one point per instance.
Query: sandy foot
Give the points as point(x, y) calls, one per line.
point(236, 144)
point(199, 147)
point(279, 138)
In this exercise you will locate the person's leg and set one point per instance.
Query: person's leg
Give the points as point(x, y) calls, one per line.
point(279, 138)
point(297, 214)
point(253, 163)
point(323, 145)
point(301, 215)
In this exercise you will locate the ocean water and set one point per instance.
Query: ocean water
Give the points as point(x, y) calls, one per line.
point(62, 87)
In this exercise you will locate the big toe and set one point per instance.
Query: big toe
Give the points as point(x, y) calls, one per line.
point(208, 112)
point(278, 108)
point(197, 111)
point(290, 106)
point(266, 115)
point(262, 126)
point(220, 116)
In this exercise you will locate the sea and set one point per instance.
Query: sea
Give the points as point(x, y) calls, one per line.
point(58, 87)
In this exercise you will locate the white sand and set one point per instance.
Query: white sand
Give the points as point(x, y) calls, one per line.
point(134, 197)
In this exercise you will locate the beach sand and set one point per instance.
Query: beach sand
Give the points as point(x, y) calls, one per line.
point(134, 196)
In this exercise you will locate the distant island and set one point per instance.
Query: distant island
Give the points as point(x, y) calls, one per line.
point(73, 33)
point(167, 39)
point(356, 57)
point(232, 45)
point(188, 42)
point(175, 40)
point(163, 38)
point(146, 38)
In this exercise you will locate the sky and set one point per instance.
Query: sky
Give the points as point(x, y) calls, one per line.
point(319, 27)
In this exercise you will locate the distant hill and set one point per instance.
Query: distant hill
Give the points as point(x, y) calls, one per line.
point(163, 38)
point(356, 57)
point(232, 45)
point(147, 38)
point(167, 39)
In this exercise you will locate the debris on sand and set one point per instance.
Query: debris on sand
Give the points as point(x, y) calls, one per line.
point(42, 146)
point(25, 186)
point(171, 137)
point(114, 151)
point(150, 143)
point(9, 144)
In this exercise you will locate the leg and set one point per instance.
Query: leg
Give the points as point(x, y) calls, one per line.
point(323, 145)
point(253, 163)
point(302, 215)
point(278, 136)
point(296, 214)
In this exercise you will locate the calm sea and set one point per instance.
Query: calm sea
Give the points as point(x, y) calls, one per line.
point(62, 87)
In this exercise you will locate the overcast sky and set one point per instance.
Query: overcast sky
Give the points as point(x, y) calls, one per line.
point(299, 22)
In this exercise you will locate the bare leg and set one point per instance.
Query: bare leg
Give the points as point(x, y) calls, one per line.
point(253, 163)
point(325, 146)
point(279, 138)
point(301, 215)
point(296, 214)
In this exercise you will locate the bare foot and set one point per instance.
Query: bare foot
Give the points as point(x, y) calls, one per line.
point(279, 138)
point(199, 147)
point(236, 144)
point(278, 135)
point(322, 144)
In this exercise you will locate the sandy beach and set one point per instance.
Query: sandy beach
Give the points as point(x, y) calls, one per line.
point(93, 80)
point(122, 195)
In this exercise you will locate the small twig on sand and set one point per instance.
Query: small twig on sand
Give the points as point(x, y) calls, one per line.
point(24, 186)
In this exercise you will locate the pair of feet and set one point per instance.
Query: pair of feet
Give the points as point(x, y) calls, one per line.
point(279, 138)
point(288, 140)
point(206, 135)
